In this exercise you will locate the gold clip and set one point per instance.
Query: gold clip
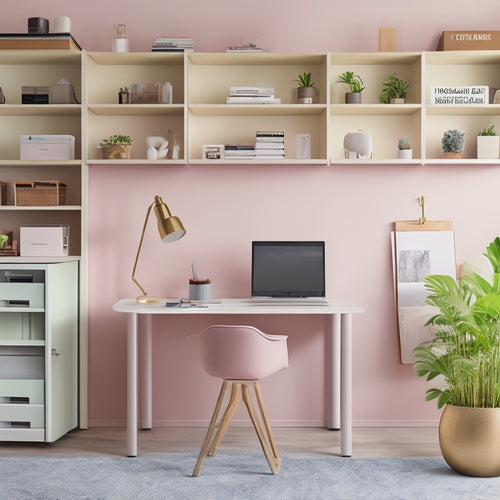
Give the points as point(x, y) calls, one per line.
point(421, 201)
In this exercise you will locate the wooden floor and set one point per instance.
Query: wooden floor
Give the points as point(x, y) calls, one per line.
point(367, 442)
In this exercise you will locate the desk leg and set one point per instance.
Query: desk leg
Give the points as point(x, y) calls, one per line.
point(333, 360)
point(145, 366)
point(346, 387)
point(132, 385)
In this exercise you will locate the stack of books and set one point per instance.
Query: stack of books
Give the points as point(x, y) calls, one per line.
point(173, 44)
point(30, 41)
point(270, 145)
point(239, 151)
point(252, 95)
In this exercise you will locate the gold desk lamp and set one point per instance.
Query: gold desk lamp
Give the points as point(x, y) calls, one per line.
point(170, 229)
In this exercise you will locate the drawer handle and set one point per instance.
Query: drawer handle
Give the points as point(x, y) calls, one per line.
point(55, 353)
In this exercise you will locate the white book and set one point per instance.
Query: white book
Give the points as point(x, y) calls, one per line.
point(237, 90)
point(274, 146)
point(253, 100)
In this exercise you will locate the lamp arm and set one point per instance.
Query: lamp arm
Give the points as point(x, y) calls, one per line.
point(139, 249)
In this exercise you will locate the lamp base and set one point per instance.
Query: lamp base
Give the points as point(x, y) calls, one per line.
point(144, 299)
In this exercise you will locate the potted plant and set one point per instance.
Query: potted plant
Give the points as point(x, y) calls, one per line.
point(394, 90)
point(117, 147)
point(488, 144)
point(404, 148)
point(452, 144)
point(466, 353)
point(307, 93)
point(356, 86)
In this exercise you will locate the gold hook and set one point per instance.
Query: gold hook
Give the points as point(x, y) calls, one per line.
point(421, 201)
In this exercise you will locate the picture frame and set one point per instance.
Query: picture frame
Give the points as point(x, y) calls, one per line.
point(213, 152)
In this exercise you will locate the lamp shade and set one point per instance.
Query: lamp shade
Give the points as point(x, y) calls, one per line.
point(169, 226)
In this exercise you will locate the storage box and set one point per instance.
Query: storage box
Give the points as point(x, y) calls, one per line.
point(44, 241)
point(158, 93)
point(47, 147)
point(469, 40)
point(40, 193)
point(34, 95)
point(61, 93)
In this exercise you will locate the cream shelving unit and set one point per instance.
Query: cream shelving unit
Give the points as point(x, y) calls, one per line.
point(385, 122)
point(212, 121)
point(42, 67)
point(106, 73)
point(460, 68)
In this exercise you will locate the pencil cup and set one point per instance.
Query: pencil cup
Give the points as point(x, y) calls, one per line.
point(199, 292)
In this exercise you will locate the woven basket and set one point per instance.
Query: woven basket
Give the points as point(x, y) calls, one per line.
point(41, 193)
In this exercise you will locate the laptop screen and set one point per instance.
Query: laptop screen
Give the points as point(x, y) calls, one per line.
point(288, 269)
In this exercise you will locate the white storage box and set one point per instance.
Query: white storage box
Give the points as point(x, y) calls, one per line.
point(44, 241)
point(47, 147)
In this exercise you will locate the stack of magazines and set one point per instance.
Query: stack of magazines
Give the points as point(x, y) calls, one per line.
point(239, 151)
point(173, 44)
point(252, 95)
point(270, 145)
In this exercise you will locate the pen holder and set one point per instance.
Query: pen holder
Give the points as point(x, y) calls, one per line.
point(199, 291)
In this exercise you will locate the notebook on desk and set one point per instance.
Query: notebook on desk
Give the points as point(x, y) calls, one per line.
point(288, 272)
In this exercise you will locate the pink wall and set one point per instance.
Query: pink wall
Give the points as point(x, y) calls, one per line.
point(224, 208)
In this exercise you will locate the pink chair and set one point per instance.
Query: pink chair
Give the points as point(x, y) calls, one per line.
point(241, 355)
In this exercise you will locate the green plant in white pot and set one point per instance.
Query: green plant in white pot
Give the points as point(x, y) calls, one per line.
point(405, 151)
point(488, 144)
point(394, 91)
point(466, 354)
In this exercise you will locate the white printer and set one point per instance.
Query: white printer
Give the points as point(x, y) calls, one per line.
point(47, 147)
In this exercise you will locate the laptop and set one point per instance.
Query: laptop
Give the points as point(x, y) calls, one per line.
point(288, 272)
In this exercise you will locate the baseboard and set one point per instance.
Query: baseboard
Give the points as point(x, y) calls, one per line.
point(274, 423)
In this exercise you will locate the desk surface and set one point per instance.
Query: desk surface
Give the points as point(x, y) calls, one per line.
point(239, 306)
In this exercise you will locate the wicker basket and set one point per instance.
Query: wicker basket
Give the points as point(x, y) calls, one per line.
point(40, 193)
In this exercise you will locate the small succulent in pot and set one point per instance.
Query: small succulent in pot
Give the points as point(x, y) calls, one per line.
point(404, 149)
point(116, 147)
point(307, 93)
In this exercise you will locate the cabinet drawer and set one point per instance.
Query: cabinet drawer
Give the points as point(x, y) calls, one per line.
point(22, 363)
point(29, 391)
point(19, 416)
point(22, 294)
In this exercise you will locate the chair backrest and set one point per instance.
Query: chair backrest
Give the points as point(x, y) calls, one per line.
point(241, 352)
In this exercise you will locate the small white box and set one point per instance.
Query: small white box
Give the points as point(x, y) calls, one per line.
point(47, 147)
point(44, 241)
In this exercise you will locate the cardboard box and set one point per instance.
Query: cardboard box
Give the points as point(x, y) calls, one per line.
point(44, 241)
point(47, 147)
point(469, 40)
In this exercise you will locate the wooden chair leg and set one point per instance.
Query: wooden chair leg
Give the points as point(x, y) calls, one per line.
point(211, 427)
point(258, 395)
point(227, 416)
point(266, 447)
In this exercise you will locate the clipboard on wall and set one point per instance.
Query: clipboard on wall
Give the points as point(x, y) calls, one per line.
point(419, 248)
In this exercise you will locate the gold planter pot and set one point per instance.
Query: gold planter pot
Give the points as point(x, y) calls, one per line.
point(470, 440)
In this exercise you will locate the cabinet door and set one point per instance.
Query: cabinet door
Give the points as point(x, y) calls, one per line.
point(61, 376)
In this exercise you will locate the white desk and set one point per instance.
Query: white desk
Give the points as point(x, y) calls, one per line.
point(339, 366)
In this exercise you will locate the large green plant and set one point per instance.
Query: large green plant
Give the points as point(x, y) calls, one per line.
point(466, 347)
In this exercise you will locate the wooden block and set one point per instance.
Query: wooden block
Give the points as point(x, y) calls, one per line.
point(469, 40)
point(387, 39)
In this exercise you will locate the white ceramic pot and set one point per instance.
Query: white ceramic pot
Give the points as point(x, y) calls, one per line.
point(405, 154)
point(488, 147)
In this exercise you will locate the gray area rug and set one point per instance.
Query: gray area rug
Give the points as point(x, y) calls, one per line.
point(237, 476)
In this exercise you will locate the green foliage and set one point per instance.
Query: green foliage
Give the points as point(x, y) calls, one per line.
point(3, 240)
point(394, 88)
point(488, 131)
point(123, 140)
point(304, 80)
point(354, 81)
point(466, 346)
point(453, 141)
point(404, 143)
